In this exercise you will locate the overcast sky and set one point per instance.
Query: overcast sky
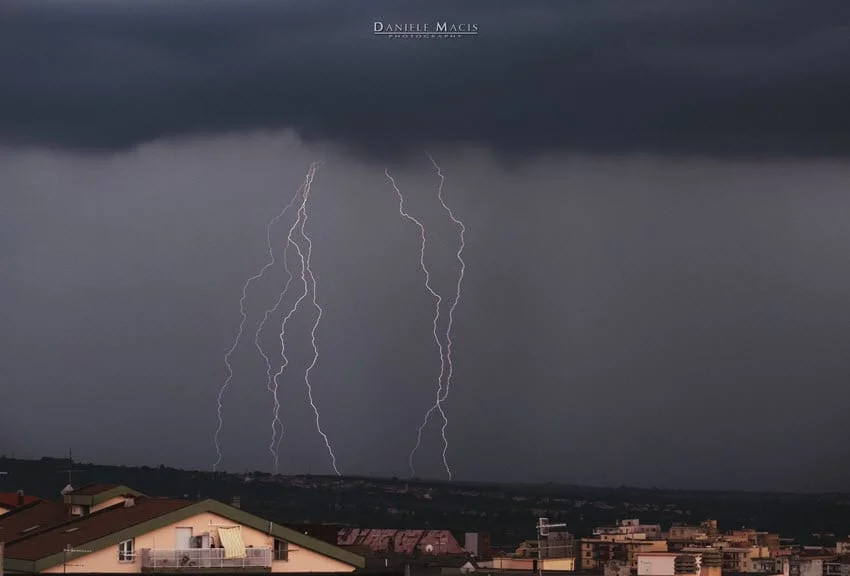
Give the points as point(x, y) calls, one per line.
point(657, 206)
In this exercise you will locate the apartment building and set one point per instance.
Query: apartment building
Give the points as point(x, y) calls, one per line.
point(631, 528)
point(596, 553)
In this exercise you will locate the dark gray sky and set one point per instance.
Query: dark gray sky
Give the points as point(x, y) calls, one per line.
point(657, 214)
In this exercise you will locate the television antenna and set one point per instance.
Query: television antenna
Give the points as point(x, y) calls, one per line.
point(70, 469)
point(69, 550)
point(543, 530)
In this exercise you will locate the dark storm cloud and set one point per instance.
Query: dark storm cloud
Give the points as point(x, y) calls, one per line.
point(697, 77)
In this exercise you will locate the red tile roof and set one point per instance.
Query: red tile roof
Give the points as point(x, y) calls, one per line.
point(400, 541)
point(88, 528)
point(11, 499)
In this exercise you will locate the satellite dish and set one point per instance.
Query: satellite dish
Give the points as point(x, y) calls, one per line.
point(429, 548)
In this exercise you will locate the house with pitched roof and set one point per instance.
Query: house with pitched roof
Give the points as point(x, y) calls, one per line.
point(109, 529)
point(11, 500)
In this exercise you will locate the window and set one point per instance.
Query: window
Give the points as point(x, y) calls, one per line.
point(281, 550)
point(127, 550)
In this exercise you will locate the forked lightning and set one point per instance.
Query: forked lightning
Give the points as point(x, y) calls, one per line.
point(305, 271)
point(244, 314)
point(450, 372)
point(438, 301)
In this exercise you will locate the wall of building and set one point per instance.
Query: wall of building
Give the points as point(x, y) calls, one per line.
point(106, 560)
point(688, 533)
point(656, 564)
point(811, 567)
point(508, 563)
point(559, 564)
point(107, 504)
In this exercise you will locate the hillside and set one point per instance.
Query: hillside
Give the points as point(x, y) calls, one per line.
point(508, 512)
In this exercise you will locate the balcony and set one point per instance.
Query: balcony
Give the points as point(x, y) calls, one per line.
point(255, 560)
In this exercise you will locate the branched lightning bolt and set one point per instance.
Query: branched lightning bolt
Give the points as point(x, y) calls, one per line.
point(438, 301)
point(271, 383)
point(313, 338)
point(244, 314)
point(459, 256)
point(305, 270)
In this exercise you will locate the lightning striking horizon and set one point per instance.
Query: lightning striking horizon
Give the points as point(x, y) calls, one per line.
point(305, 269)
point(313, 341)
point(236, 341)
point(449, 343)
point(271, 383)
point(438, 302)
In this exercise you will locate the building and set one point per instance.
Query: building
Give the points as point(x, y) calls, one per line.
point(629, 529)
point(810, 564)
point(596, 553)
point(111, 529)
point(478, 544)
point(838, 567)
point(656, 563)
point(558, 544)
point(774, 565)
point(402, 542)
point(686, 533)
point(510, 563)
point(11, 500)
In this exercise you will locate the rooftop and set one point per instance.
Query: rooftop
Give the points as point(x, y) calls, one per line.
point(93, 489)
point(13, 499)
point(400, 541)
point(32, 518)
point(84, 529)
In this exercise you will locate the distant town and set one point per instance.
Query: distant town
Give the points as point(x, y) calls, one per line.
point(66, 517)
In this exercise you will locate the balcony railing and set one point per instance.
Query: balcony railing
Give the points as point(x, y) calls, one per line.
point(204, 558)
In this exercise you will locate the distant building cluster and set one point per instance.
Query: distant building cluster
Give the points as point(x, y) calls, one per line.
point(112, 529)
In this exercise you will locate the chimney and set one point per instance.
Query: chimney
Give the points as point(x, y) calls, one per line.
point(129, 501)
point(236, 502)
point(20, 497)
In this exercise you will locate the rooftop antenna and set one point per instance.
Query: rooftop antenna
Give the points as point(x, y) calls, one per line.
point(543, 530)
point(69, 550)
point(70, 470)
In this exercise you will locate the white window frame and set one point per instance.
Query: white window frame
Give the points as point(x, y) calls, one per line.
point(127, 551)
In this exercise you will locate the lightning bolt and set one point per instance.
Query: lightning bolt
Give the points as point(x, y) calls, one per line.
point(313, 341)
point(244, 315)
point(271, 383)
point(459, 256)
point(438, 301)
point(305, 270)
